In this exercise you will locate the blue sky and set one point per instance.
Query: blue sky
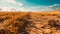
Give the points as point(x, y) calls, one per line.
point(30, 5)
point(39, 2)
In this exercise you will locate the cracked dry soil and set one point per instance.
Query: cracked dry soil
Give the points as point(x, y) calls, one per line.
point(29, 23)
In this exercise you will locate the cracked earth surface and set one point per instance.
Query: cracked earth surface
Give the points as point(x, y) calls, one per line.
point(29, 23)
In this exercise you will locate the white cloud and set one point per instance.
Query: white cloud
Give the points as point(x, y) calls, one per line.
point(33, 9)
point(44, 8)
point(54, 5)
point(13, 2)
point(38, 8)
point(4, 8)
point(20, 4)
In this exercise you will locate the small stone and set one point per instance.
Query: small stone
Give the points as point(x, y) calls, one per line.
point(31, 32)
point(53, 29)
point(39, 25)
point(56, 33)
point(47, 31)
point(58, 30)
point(39, 31)
point(47, 27)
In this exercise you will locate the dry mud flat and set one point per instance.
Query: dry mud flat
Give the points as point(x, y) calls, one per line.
point(29, 22)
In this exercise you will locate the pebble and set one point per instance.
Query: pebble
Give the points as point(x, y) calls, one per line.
point(47, 30)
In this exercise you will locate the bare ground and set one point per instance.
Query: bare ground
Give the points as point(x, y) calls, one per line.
point(29, 22)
